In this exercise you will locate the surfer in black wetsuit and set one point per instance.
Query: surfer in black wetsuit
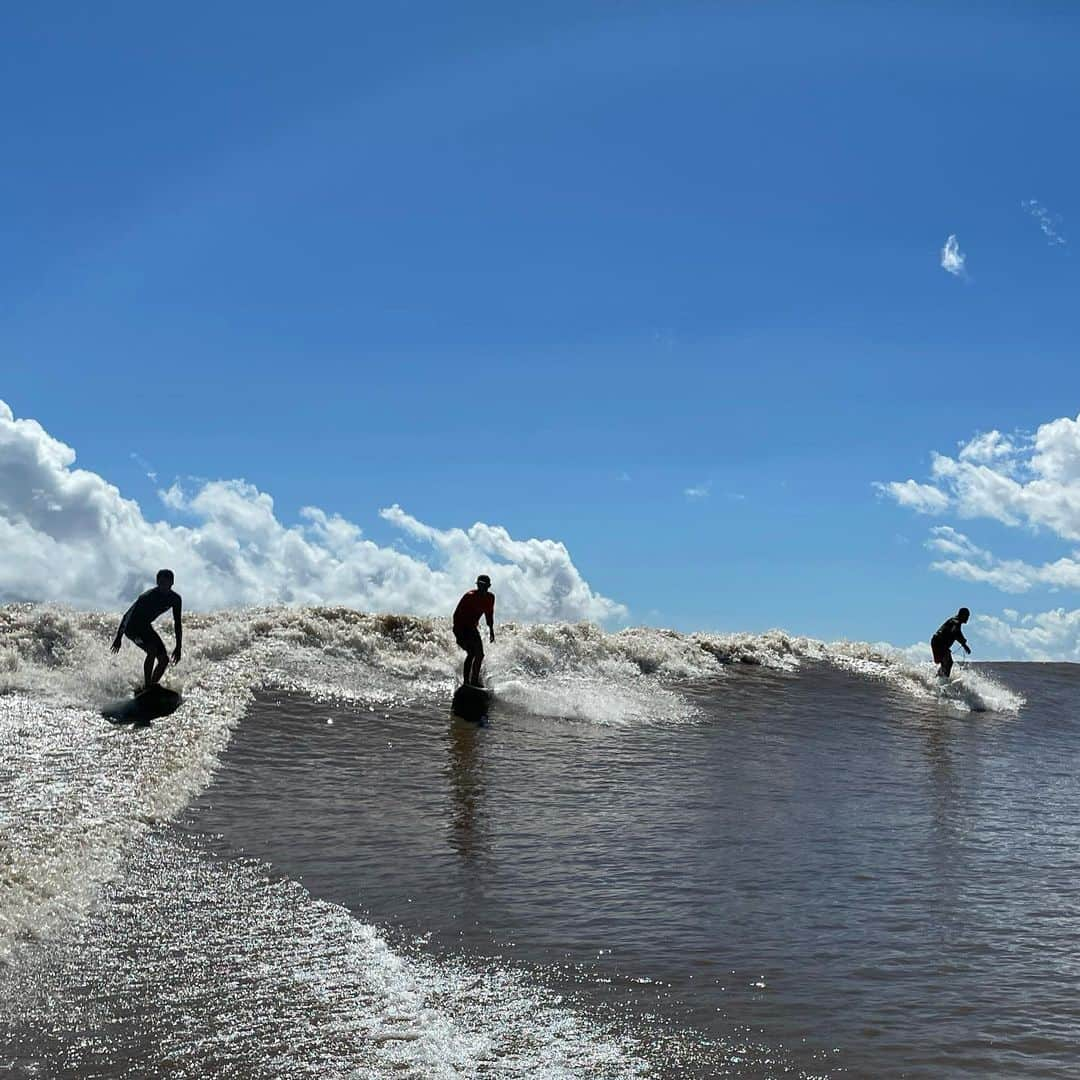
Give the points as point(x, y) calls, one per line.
point(136, 627)
point(941, 643)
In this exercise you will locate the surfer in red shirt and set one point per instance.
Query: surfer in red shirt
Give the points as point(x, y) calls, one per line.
point(474, 604)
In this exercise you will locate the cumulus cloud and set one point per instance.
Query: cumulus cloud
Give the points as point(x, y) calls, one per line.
point(952, 258)
point(70, 536)
point(1047, 221)
point(1045, 635)
point(1032, 480)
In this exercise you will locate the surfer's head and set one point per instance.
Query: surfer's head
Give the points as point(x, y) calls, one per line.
point(483, 583)
point(165, 579)
point(963, 614)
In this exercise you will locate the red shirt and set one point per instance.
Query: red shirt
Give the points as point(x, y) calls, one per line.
point(471, 606)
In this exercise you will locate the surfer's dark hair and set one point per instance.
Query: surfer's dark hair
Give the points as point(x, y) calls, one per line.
point(964, 613)
point(168, 575)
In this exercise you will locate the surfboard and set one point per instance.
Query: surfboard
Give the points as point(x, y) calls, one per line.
point(145, 706)
point(471, 703)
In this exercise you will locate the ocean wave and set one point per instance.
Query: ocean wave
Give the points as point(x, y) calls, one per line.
point(547, 667)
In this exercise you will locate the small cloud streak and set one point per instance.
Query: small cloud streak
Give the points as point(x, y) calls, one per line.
point(922, 498)
point(1048, 222)
point(699, 492)
point(147, 468)
point(952, 258)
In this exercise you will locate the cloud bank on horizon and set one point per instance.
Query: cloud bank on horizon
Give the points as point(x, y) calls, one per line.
point(1024, 481)
point(69, 536)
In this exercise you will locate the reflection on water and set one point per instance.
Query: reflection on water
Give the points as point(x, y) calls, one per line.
point(465, 772)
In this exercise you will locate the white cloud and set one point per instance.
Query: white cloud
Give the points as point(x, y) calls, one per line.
point(699, 492)
point(69, 536)
point(1032, 481)
point(1008, 575)
point(1025, 481)
point(1048, 222)
point(986, 447)
point(1046, 635)
point(922, 498)
point(946, 539)
point(1029, 482)
point(952, 258)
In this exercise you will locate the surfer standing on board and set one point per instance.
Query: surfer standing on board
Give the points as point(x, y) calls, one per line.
point(136, 626)
point(476, 602)
point(941, 643)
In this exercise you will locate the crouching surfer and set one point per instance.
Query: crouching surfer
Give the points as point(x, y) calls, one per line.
point(136, 626)
point(941, 643)
point(474, 604)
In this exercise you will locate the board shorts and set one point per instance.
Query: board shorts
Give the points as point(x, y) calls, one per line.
point(148, 639)
point(941, 650)
point(469, 639)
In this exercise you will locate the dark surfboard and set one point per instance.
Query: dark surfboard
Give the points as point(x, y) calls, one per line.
point(471, 703)
point(145, 706)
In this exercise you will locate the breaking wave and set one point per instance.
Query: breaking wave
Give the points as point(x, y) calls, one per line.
point(77, 791)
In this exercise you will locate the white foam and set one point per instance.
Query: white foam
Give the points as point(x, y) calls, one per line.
point(305, 977)
point(969, 690)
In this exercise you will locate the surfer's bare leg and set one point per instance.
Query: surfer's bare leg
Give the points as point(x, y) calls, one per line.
point(152, 679)
point(472, 668)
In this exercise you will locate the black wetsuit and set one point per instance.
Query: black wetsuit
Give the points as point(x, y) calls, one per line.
point(948, 633)
point(136, 625)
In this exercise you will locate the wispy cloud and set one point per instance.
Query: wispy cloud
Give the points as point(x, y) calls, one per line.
point(987, 447)
point(699, 492)
point(922, 498)
point(1049, 222)
point(952, 258)
point(147, 468)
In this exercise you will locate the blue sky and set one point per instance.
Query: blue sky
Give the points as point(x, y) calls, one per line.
point(550, 267)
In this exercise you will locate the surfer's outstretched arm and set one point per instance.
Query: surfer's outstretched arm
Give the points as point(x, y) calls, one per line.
point(178, 630)
point(119, 639)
